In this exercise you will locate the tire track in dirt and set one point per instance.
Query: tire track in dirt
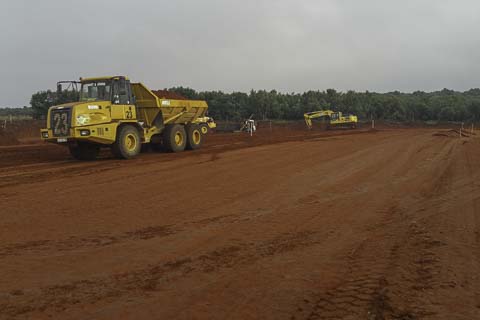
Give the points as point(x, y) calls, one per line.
point(61, 169)
point(472, 186)
point(69, 170)
point(371, 288)
point(75, 243)
point(152, 232)
point(149, 279)
point(361, 294)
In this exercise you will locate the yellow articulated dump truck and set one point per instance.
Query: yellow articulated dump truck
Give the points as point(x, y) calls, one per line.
point(116, 113)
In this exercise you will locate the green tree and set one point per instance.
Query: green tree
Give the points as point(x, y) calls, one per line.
point(43, 100)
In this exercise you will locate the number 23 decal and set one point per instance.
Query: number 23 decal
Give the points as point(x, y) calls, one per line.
point(129, 113)
point(60, 123)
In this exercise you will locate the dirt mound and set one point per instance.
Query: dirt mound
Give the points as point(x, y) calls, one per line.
point(452, 133)
point(165, 94)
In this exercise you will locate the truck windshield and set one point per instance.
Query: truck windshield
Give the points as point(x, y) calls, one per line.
point(96, 91)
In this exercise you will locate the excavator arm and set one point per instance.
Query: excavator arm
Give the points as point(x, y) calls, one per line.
point(316, 114)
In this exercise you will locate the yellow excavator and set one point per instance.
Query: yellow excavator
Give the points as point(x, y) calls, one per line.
point(334, 119)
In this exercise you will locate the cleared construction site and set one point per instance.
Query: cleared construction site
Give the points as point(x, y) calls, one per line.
point(239, 160)
point(286, 223)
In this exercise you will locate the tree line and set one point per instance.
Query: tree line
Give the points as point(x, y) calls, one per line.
point(16, 112)
point(444, 105)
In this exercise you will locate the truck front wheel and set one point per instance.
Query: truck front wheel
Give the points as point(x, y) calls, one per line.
point(194, 137)
point(128, 143)
point(175, 138)
point(84, 151)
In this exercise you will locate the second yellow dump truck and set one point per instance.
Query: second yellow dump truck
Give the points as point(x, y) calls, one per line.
point(116, 113)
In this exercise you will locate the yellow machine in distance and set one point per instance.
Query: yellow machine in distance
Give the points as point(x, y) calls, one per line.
point(113, 112)
point(206, 123)
point(334, 119)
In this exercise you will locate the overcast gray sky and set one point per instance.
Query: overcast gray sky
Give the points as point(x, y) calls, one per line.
point(235, 45)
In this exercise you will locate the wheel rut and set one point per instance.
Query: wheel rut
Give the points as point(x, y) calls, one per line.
point(150, 279)
point(387, 274)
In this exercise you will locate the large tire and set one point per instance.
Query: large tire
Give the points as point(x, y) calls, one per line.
point(84, 151)
point(128, 143)
point(175, 138)
point(194, 136)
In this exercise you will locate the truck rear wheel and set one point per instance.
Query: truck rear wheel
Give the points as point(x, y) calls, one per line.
point(128, 143)
point(175, 138)
point(194, 136)
point(84, 151)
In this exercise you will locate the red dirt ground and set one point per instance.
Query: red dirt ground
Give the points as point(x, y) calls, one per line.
point(287, 224)
point(20, 132)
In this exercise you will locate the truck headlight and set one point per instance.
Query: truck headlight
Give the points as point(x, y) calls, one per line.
point(84, 132)
point(45, 134)
point(83, 119)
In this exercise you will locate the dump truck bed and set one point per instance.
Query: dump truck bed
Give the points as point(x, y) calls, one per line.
point(152, 108)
